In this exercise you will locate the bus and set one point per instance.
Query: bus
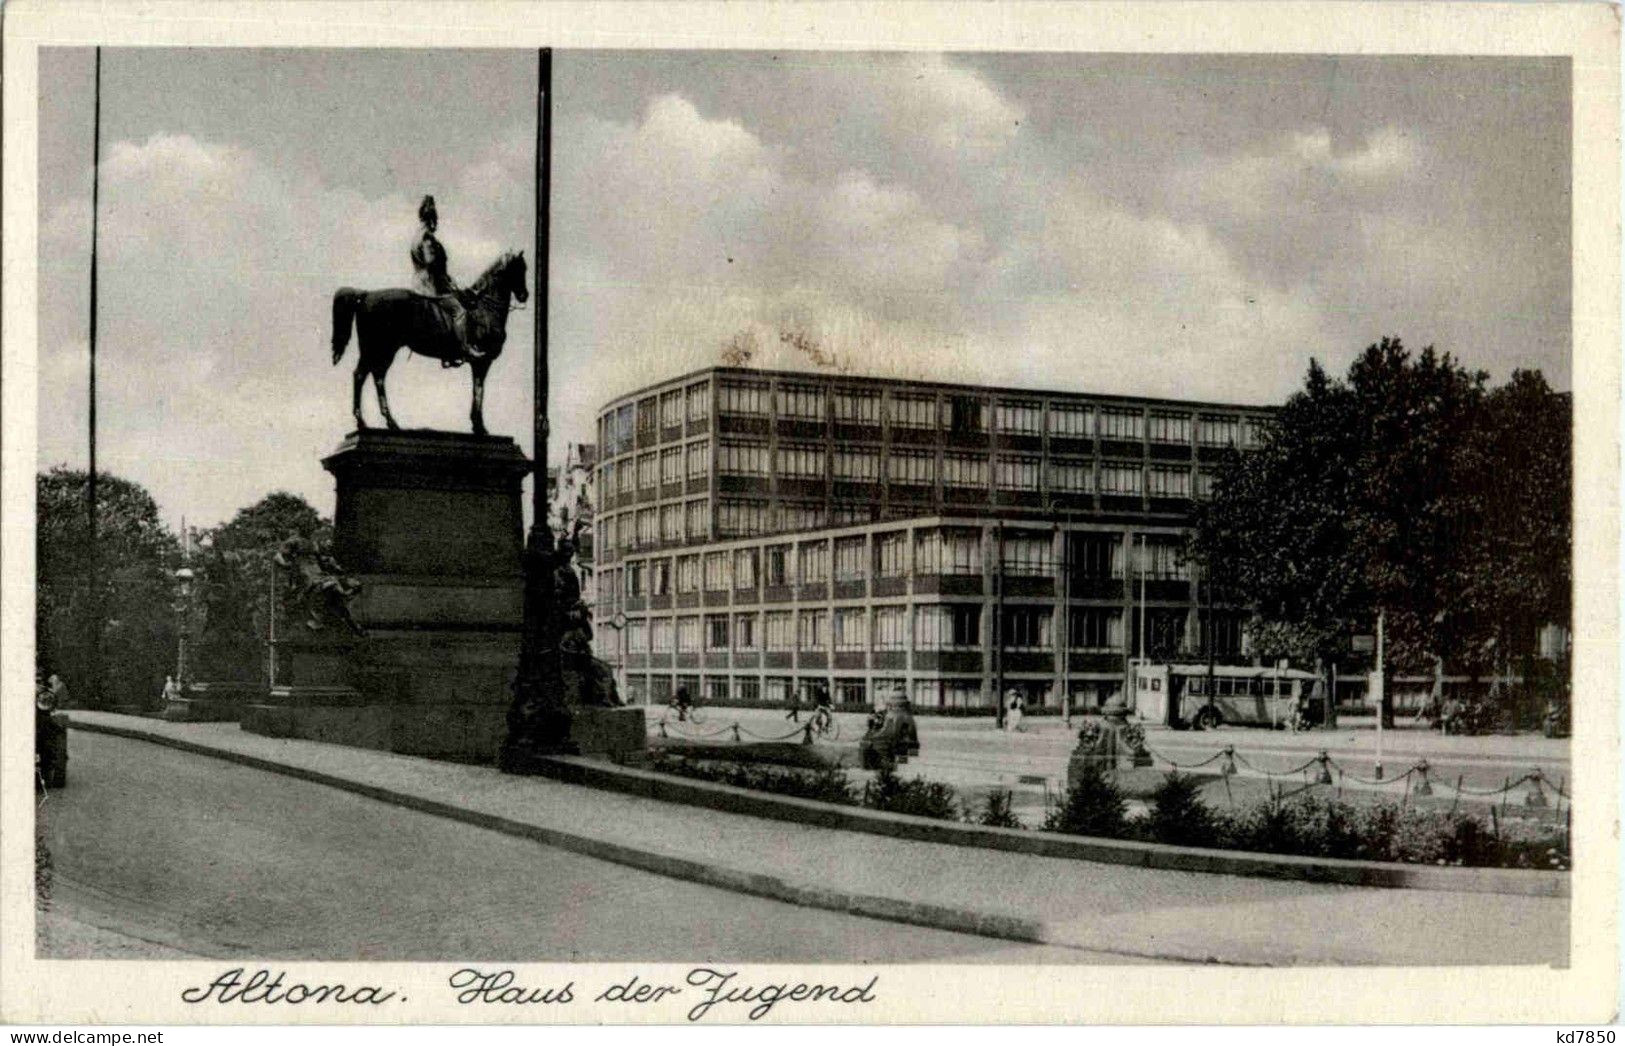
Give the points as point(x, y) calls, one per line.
point(1243, 695)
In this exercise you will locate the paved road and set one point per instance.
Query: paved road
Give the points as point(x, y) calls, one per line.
point(158, 852)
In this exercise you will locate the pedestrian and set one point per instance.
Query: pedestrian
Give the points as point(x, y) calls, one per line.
point(794, 715)
point(1012, 719)
point(172, 691)
point(59, 691)
point(683, 703)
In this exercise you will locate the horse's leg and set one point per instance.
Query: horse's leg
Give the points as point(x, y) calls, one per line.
point(383, 397)
point(476, 414)
point(355, 392)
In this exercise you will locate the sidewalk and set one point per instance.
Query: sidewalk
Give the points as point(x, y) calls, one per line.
point(1182, 916)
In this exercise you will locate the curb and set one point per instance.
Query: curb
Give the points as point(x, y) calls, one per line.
point(807, 895)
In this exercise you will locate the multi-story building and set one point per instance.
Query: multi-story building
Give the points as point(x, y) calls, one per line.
point(764, 531)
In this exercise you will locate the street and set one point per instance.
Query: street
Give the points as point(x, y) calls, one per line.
point(164, 854)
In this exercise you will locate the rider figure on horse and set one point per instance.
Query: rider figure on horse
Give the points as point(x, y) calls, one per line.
point(432, 279)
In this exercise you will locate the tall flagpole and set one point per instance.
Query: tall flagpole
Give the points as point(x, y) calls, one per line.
point(95, 652)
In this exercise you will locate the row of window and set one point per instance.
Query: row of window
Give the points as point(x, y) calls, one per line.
point(676, 522)
point(618, 428)
point(960, 412)
point(785, 690)
point(935, 628)
point(650, 471)
point(908, 467)
point(953, 551)
point(856, 629)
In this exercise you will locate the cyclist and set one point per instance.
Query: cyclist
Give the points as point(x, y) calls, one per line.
point(683, 703)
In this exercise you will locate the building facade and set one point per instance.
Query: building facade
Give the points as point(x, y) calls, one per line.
point(758, 533)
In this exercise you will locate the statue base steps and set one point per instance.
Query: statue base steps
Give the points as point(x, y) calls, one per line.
point(212, 702)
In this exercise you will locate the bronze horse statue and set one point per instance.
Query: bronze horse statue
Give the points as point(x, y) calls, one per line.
point(386, 321)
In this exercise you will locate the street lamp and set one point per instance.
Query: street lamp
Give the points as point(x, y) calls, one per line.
point(183, 610)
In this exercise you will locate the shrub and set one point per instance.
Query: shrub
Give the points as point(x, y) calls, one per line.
point(1178, 815)
point(829, 785)
point(1094, 805)
point(996, 812)
point(919, 797)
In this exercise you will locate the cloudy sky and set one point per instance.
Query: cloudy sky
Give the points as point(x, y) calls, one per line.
point(1167, 226)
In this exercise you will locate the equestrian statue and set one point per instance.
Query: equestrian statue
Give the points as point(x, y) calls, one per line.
point(436, 319)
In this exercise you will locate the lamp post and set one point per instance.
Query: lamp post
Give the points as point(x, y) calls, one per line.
point(183, 610)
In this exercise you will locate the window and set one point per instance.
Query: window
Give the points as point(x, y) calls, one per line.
point(801, 460)
point(624, 420)
point(699, 401)
point(1097, 555)
point(671, 522)
point(1213, 430)
point(625, 530)
point(660, 635)
point(716, 632)
point(625, 477)
point(1074, 421)
point(745, 631)
point(1019, 416)
point(812, 630)
point(1204, 483)
point(857, 408)
point(1017, 473)
point(1169, 428)
point(1074, 477)
point(716, 572)
point(948, 552)
point(748, 690)
point(1116, 423)
point(1026, 628)
point(891, 628)
point(778, 565)
point(850, 626)
point(648, 471)
point(851, 692)
point(1252, 432)
point(778, 627)
point(646, 418)
point(955, 626)
point(851, 555)
point(801, 401)
point(1095, 628)
point(891, 553)
point(845, 514)
point(660, 577)
point(1117, 477)
point(913, 412)
point(745, 569)
point(699, 520)
point(741, 459)
point(634, 579)
point(964, 470)
point(857, 466)
point(1028, 555)
point(914, 467)
point(1226, 630)
point(738, 397)
point(606, 478)
point(960, 693)
point(716, 689)
point(800, 515)
point(671, 465)
point(688, 635)
point(778, 689)
point(699, 459)
point(688, 574)
point(637, 636)
point(1163, 481)
point(813, 563)
point(648, 527)
point(671, 409)
point(965, 414)
point(741, 518)
point(1160, 560)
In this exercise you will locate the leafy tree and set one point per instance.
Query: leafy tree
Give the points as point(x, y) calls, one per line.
point(233, 563)
point(1408, 488)
point(122, 584)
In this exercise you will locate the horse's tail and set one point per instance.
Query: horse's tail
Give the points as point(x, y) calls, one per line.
point(345, 301)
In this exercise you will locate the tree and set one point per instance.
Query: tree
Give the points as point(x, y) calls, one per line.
point(1408, 488)
point(233, 563)
point(129, 596)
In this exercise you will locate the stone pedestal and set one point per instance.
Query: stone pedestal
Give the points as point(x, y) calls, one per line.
point(431, 525)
